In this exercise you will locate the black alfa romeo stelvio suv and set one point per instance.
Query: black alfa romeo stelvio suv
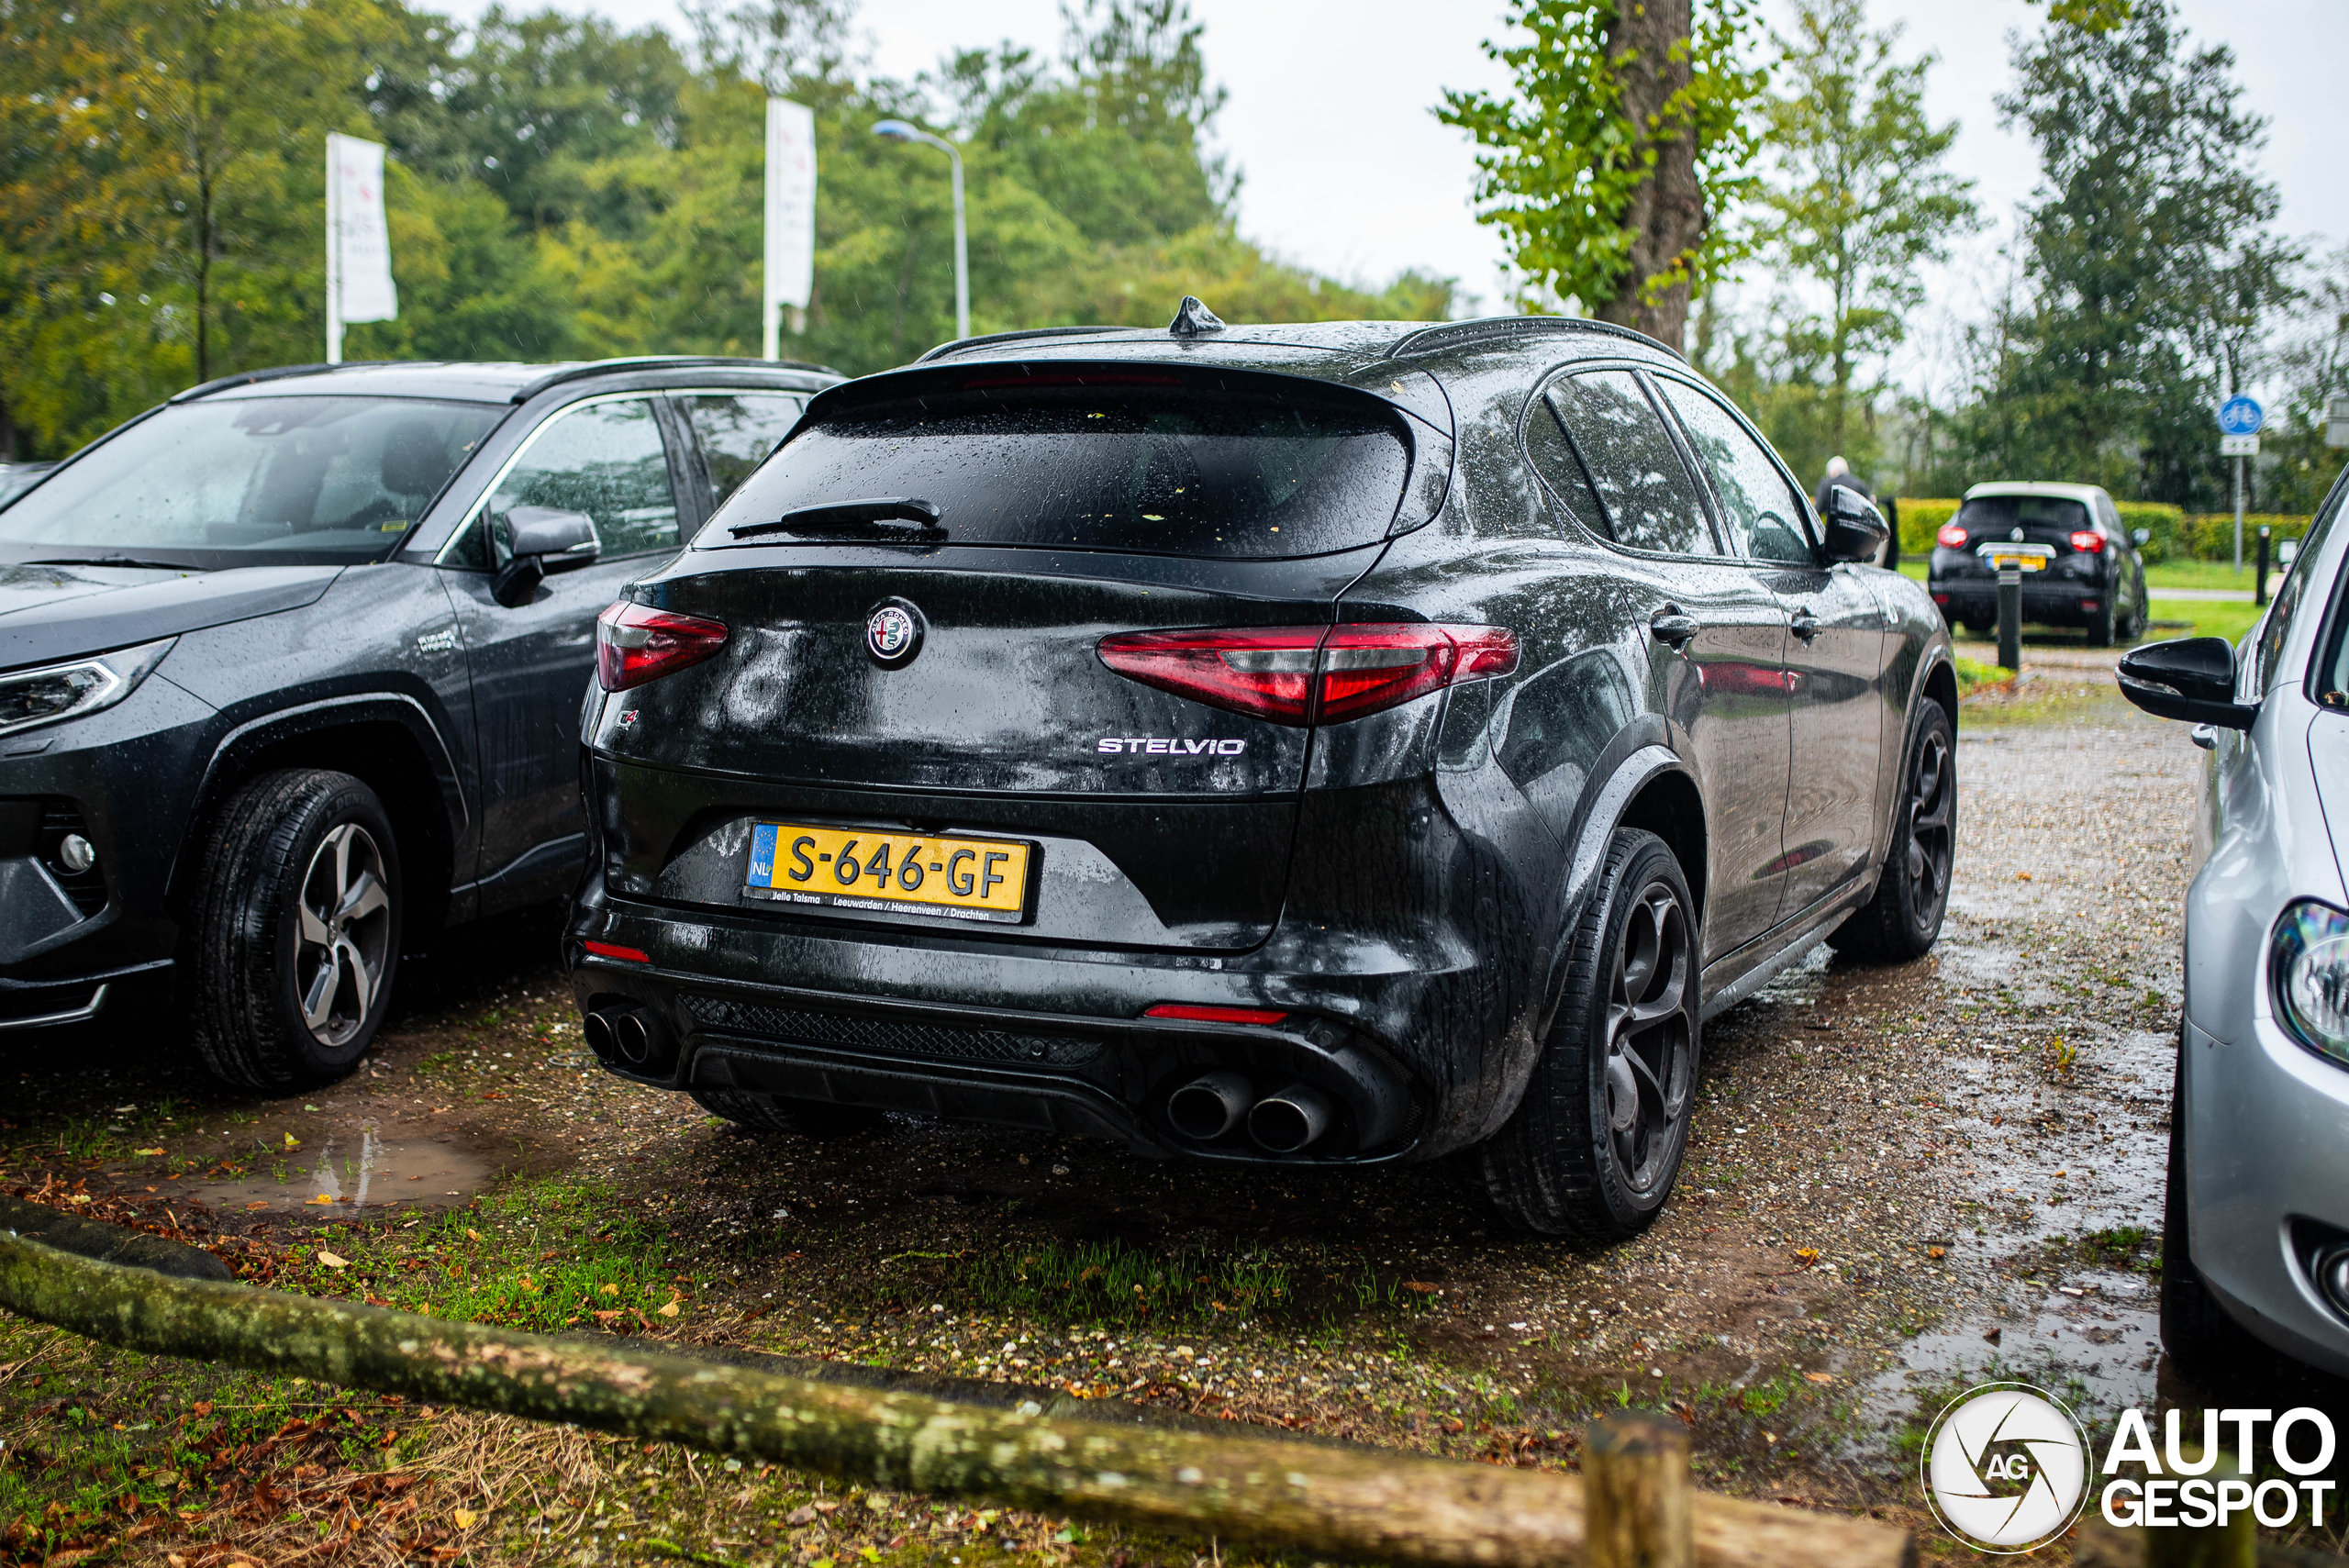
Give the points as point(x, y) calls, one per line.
point(1340, 744)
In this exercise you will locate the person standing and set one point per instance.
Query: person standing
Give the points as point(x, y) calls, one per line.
point(1840, 476)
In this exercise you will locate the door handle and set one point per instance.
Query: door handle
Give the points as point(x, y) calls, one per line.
point(1671, 628)
point(1805, 625)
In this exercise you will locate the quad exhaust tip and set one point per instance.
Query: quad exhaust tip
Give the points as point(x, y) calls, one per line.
point(1291, 1121)
point(1210, 1106)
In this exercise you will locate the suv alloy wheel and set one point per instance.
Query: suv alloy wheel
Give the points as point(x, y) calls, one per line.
point(298, 930)
point(1596, 1143)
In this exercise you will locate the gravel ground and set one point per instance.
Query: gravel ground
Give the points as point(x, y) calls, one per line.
point(1901, 1179)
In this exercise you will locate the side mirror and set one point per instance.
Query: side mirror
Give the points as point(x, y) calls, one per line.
point(545, 540)
point(2192, 678)
point(2141, 536)
point(1855, 530)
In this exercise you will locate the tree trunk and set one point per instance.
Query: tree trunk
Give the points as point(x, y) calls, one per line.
point(1326, 1500)
point(1648, 44)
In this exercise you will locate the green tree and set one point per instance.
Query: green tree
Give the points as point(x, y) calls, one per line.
point(174, 158)
point(1864, 198)
point(1614, 165)
point(2146, 200)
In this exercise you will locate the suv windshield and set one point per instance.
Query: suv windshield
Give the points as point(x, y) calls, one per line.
point(2022, 511)
point(1099, 464)
point(251, 481)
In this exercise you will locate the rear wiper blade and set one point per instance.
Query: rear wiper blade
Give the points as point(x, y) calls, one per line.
point(113, 561)
point(856, 516)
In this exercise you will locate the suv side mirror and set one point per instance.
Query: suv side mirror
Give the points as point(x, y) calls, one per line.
point(2192, 678)
point(2141, 536)
point(545, 540)
point(1855, 530)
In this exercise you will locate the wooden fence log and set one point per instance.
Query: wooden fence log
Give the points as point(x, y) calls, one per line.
point(1334, 1502)
point(1636, 1493)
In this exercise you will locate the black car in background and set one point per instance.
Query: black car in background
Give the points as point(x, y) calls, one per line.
point(1342, 743)
point(2080, 566)
point(291, 667)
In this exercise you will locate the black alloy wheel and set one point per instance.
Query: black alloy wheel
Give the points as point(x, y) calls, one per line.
point(1595, 1144)
point(1904, 919)
point(297, 933)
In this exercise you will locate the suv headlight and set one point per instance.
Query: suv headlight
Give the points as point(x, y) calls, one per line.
point(2309, 964)
point(30, 697)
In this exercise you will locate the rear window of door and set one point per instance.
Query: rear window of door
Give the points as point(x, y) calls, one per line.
point(606, 459)
point(1761, 509)
point(1649, 499)
point(1242, 466)
point(737, 430)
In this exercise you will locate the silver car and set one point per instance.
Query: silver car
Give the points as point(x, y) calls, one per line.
point(2257, 1220)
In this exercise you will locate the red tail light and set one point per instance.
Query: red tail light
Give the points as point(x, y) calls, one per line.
point(634, 644)
point(1952, 537)
point(1303, 675)
point(2087, 541)
point(1188, 1013)
point(614, 950)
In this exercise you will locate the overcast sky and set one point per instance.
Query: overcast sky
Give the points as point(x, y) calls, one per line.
point(1347, 172)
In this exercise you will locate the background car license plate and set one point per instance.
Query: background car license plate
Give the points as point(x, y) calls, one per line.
point(909, 874)
point(2028, 562)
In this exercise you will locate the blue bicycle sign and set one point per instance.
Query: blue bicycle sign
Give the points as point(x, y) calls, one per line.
point(2241, 416)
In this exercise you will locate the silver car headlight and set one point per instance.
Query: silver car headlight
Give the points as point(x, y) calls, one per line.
point(2309, 964)
point(54, 692)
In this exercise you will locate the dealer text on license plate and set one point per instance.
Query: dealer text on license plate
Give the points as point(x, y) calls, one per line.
point(907, 873)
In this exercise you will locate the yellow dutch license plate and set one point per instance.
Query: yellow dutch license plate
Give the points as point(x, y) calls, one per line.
point(2026, 562)
point(906, 874)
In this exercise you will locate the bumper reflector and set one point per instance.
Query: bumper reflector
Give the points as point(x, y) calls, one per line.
point(614, 950)
point(1186, 1013)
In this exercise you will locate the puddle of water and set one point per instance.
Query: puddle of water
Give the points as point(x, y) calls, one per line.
point(356, 1168)
point(2098, 1350)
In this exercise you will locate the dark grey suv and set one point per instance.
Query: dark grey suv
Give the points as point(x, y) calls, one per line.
point(293, 664)
point(1340, 743)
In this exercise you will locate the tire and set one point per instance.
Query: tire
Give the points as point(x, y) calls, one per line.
point(297, 933)
point(2101, 629)
point(819, 1119)
point(2196, 1331)
point(1595, 1146)
point(1904, 918)
point(1978, 628)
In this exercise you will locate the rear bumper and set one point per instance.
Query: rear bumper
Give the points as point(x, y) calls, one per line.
point(2267, 1181)
point(1049, 1039)
point(2067, 602)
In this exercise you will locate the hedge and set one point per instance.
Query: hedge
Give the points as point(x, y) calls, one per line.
point(2176, 535)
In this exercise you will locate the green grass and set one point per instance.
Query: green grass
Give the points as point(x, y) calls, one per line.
point(1973, 673)
point(2204, 617)
point(1112, 1283)
point(541, 1255)
point(2203, 574)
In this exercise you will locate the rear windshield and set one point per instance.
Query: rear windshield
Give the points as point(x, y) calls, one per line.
point(251, 481)
point(2022, 511)
point(1172, 469)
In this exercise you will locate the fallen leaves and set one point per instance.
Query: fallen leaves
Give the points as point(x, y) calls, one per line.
point(333, 1261)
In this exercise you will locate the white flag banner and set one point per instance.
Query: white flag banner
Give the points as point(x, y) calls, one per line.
point(359, 247)
point(791, 211)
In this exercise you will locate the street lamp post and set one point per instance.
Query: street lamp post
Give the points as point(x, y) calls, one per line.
point(899, 131)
